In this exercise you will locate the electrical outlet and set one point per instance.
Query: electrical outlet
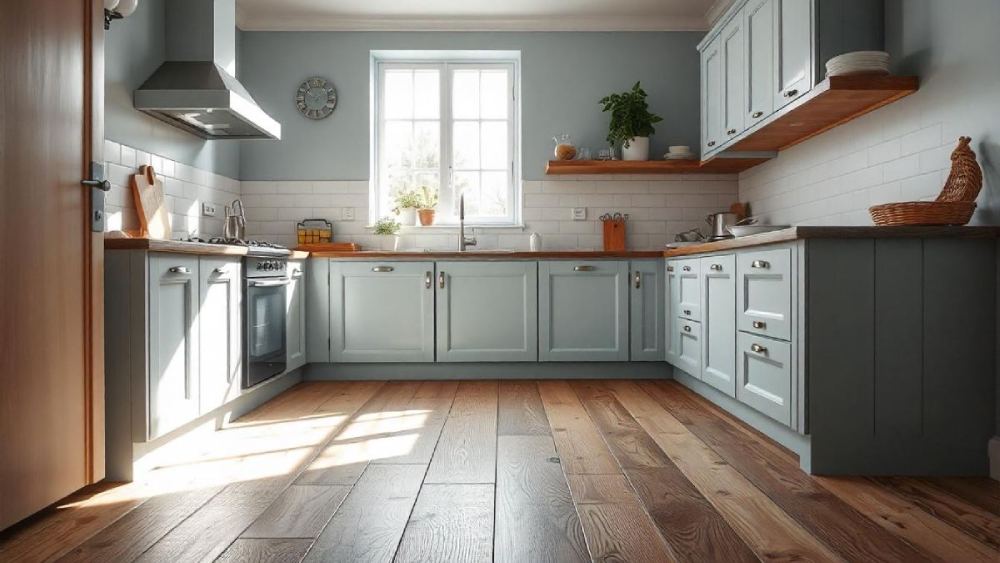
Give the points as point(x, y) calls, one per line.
point(579, 213)
point(208, 209)
point(348, 214)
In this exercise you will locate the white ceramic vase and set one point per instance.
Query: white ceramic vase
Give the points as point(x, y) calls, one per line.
point(637, 148)
point(408, 217)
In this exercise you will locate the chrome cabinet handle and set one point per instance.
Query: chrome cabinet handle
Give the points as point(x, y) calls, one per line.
point(584, 268)
point(790, 93)
point(638, 279)
point(758, 349)
point(686, 268)
point(220, 270)
point(179, 270)
point(670, 268)
point(441, 280)
point(762, 264)
point(716, 267)
point(687, 311)
point(711, 143)
point(757, 114)
point(759, 324)
point(687, 328)
point(731, 132)
point(296, 274)
point(428, 279)
point(383, 269)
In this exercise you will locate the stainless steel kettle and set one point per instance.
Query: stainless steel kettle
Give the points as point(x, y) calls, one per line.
point(718, 223)
point(235, 226)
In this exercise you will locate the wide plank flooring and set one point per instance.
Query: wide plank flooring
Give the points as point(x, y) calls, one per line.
point(517, 471)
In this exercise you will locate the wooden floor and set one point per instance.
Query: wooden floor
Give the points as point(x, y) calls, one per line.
point(518, 471)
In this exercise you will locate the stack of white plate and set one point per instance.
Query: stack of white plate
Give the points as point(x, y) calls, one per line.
point(858, 62)
point(679, 152)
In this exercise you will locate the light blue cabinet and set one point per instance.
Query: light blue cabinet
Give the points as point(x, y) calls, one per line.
point(712, 98)
point(173, 342)
point(671, 293)
point(318, 312)
point(794, 31)
point(758, 26)
point(583, 311)
point(719, 325)
point(220, 325)
point(295, 327)
point(765, 296)
point(382, 311)
point(764, 373)
point(688, 289)
point(647, 308)
point(734, 66)
point(487, 311)
point(689, 346)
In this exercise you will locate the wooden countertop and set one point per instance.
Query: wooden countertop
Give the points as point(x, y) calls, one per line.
point(154, 245)
point(492, 255)
point(807, 232)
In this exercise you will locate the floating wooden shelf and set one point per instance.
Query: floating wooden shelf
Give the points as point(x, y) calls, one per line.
point(830, 103)
point(715, 166)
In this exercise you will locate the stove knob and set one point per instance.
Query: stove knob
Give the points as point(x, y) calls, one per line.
point(260, 266)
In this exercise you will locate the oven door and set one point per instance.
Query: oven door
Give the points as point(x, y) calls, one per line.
point(264, 333)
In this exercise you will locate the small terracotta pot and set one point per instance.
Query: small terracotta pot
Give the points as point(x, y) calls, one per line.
point(426, 217)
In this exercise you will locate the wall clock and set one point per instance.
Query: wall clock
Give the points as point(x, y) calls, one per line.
point(316, 98)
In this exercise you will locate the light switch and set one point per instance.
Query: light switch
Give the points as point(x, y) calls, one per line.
point(348, 214)
point(579, 213)
point(208, 209)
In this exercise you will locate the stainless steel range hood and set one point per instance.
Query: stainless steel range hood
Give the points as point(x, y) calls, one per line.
point(196, 89)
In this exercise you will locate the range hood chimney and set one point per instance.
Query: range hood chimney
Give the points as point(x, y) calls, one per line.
point(196, 89)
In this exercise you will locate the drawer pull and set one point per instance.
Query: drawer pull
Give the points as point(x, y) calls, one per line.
point(759, 324)
point(219, 271)
point(687, 328)
point(441, 280)
point(686, 268)
point(670, 268)
point(383, 269)
point(762, 264)
point(731, 132)
point(638, 279)
point(711, 143)
point(180, 270)
point(584, 268)
point(791, 93)
point(758, 349)
point(757, 114)
point(716, 267)
point(687, 311)
point(428, 279)
point(296, 274)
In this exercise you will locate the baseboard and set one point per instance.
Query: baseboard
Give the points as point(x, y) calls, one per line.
point(500, 370)
point(994, 450)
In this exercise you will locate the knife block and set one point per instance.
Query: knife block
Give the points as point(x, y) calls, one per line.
point(614, 235)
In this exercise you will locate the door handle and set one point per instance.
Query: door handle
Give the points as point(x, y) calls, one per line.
point(441, 280)
point(219, 271)
point(296, 274)
point(759, 324)
point(758, 349)
point(762, 264)
point(716, 267)
point(686, 268)
point(687, 328)
point(180, 270)
point(731, 132)
point(584, 268)
point(687, 311)
point(638, 279)
point(711, 143)
point(383, 269)
point(757, 114)
point(790, 93)
point(428, 279)
point(670, 268)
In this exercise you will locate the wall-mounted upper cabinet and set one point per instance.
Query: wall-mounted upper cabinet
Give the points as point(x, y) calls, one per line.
point(764, 54)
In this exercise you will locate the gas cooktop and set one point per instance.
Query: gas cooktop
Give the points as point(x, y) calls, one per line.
point(254, 247)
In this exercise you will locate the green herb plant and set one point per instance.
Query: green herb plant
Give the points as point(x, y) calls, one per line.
point(407, 199)
point(428, 197)
point(630, 116)
point(386, 226)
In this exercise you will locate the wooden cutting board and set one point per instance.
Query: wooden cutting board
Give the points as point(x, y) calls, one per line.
point(150, 205)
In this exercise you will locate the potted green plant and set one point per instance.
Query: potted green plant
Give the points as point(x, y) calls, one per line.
point(387, 226)
point(428, 202)
point(407, 202)
point(631, 122)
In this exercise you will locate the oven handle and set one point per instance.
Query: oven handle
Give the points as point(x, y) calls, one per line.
point(268, 283)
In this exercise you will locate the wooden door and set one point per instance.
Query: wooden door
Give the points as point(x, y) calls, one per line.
point(719, 328)
point(733, 75)
point(51, 345)
point(220, 326)
point(759, 30)
point(382, 311)
point(711, 98)
point(487, 312)
point(583, 311)
point(647, 310)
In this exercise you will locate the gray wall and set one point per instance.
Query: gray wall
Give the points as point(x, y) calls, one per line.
point(563, 77)
point(135, 47)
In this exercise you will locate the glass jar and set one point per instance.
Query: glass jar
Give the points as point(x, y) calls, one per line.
point(565, 149)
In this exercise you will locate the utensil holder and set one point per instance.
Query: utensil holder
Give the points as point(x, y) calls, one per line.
point(614, 235)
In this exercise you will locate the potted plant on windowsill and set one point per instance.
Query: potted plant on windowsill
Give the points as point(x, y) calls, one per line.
point(631, 122)
point(428, 203)
point(407, 203)
point(387, 226)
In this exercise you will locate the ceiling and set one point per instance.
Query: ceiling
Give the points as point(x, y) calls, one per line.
point(479, 15)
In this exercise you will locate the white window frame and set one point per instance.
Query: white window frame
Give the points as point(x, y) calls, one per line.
point(446, 62)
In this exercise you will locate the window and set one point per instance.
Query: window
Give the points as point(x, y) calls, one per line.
point(450, 125)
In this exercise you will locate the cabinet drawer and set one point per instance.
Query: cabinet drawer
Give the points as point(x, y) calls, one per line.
point(688, 340)
point(764, 376)
point(688, 305)
point(764, 299)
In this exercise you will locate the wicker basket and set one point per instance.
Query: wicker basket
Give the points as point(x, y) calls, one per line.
point(954, 205)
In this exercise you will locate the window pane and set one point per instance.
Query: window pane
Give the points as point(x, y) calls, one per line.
point(398, 94)
point(465, 141)
point(494, 94)
point(465, 94)
point(426, 147)
point(494, 145)
point(467, 183)
point(396, 144)
point(427, 95)
point(493, 199)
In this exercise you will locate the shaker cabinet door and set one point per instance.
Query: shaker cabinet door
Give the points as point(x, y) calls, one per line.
point(220, 326)
point(764, 375)
point(733, 75)
point(672, 295)
point(688, 347)
point(583, 311)
point(719, 325)
point(295, 328)
point(794, 51)
point(758, 27)
point(647, 308)
point(382, 311)
point(487, 311)
point(765, 296)
point(173, 342)
point(712, 98)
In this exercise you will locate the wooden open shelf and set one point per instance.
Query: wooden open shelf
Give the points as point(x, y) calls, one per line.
point(830, 103)
point(715, 166)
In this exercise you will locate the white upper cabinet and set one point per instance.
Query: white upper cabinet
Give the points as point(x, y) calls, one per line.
point(734, 66)
point(712, 98)
point(794, 53)
point(758, 27)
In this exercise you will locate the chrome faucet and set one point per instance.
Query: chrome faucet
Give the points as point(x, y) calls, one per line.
point(463, 241)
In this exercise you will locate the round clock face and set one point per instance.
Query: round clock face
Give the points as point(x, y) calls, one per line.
point(316, 98)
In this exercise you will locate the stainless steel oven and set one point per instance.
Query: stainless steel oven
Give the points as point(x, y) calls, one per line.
point(265, 287)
